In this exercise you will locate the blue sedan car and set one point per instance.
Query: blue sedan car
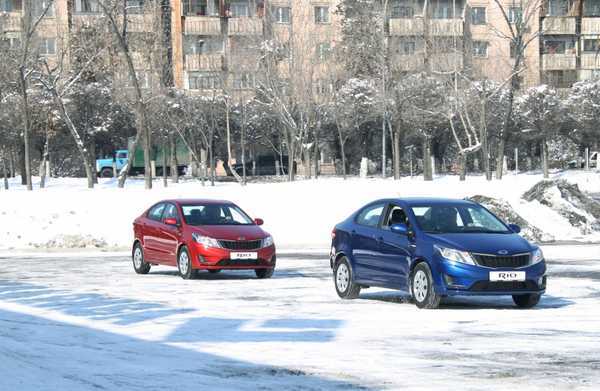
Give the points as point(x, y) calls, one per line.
point(433, 248)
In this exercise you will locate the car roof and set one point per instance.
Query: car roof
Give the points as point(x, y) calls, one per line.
point(417, 201)
point(197, 201)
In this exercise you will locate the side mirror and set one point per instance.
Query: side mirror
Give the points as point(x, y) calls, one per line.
point(515, 228)
point(259, 221)
point(400, 229)
point(170, 221)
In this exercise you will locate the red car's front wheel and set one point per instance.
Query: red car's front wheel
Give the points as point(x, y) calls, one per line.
point(184, 264)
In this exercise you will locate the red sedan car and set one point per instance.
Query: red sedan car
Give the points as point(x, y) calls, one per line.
point(201, 235)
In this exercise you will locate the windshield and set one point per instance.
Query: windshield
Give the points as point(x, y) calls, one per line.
point(215, 214)
point(442, 219)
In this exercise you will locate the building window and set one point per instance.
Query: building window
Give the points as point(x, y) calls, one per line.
point(201, 7)
point(401, 11)
point(282, 14)
point(480, 48)
point(239, 10)
point(87, 7)
point(204, 81)
point(201, 45)
point(321, 14)
point(323, 51)
point(478, 15)
point(10, 43)
point(591, 8)
point(591, 45)
point(515, 14)
point(322, 87)
point(243, 81)
point(558, 46)
point(558, 7)
point(10, 5)
point(135, 6)
point(38, 7)
point(406, 48)
point(444, 10)
point(47, 46)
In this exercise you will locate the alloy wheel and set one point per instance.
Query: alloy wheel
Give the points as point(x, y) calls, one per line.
point(342, 277)
point(420, 285)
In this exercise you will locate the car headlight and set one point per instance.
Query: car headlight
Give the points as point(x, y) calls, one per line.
point(454, 255)
point(267, 242)
point(206, 241)
point(537, 256)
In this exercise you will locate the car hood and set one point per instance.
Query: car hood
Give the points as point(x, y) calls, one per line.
point(484, 243)
point(231, 232)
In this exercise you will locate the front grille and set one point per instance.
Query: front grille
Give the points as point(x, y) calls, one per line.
point(239, 262)
point(491, 286)
point(240, 244)
point(502, 261)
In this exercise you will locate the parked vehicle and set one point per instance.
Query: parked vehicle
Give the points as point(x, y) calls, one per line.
point(434, 248)
point(263, 165)
point(198, 235)
point(580, 162)
point(105, 167)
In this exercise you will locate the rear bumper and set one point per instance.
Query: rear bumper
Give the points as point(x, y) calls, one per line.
point(219, 258)
point(456, 279)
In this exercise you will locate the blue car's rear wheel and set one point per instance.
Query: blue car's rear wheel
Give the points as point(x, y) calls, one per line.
point(345, 286)
point(526, 301)
point(422, 287)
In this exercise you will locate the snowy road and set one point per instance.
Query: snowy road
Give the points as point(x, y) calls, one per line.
point(89, 323)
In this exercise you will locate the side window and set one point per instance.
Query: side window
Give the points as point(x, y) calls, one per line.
point(156, 212)
point(370, 215)
point(122, 155)
point(171, 213)
point(396, 215)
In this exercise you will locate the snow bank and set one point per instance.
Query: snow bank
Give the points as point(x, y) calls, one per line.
point(299, 214)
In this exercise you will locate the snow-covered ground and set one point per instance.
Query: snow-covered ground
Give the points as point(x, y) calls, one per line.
point(299, 214)
point(88, 322)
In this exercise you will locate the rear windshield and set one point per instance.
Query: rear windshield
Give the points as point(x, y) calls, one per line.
point(441, 219)
point(215, 214)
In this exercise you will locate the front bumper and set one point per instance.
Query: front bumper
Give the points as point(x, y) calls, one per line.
point(220, 258)
point(457, 279)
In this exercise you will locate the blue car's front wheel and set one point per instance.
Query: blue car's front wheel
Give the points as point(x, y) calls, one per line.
point(422, 287)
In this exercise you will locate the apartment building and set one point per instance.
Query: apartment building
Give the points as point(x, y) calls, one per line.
point(215, 45)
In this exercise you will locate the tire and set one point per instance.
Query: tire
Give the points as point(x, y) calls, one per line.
point(137, 256)
point(184, 264)
point(214, 271)
point(343, 280)
point(106, 172)
point(264, 273)
point(529, 300)
point(421, 287)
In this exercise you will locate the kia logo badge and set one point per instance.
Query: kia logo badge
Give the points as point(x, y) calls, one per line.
point(502, 252)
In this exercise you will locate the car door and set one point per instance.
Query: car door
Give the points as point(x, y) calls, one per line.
point(121, 159)
point(151, 231)
point(168, 235)
point(365, 247)
point(396, 249)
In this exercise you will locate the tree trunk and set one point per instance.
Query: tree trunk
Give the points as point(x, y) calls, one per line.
point(174, 162)
point(92, 156)
point(545, 158)
point(342, 151)
point(164, 163)
point(243, 144)
point(427, 167)
point(397, 175)
point(12, 164)
point(383, 146)
point(316, 153)
point(485, 149)
point(22, 169)
point(505, 124)
point(462, 166)
point(4, 172)
point(291, 149)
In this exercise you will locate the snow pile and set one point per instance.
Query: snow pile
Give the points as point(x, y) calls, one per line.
point(506, 212)
point(73, 241)
point(580, 210)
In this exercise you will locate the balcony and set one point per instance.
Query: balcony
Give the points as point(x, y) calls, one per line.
point(408, 62)
point(590, 26)
point(10, 21)
point(590, 61)
point(556, 62)
point(86, 20)
point(446, 62)
point(140, 23)
point(558, 25)
point(204, 62)
point(202, 25)
point(404, 26)
point(446, 27)
point(245, 26)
